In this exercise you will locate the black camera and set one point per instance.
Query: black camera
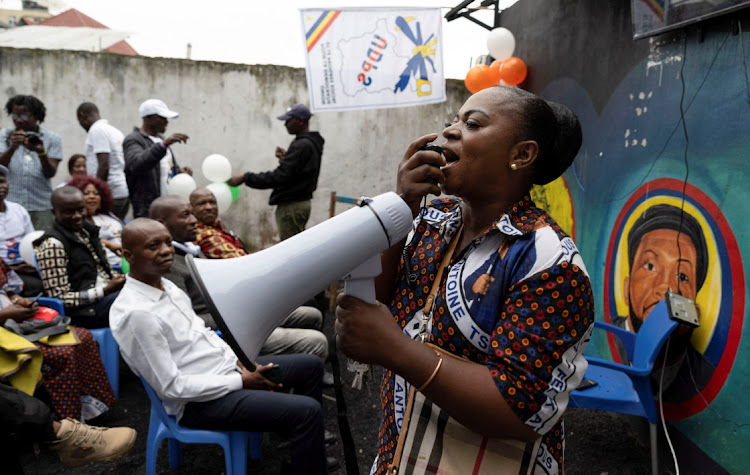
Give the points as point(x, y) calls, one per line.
point(33, 138)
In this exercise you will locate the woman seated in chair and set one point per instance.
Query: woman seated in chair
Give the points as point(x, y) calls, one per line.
point(98, 198)
point(72, 371)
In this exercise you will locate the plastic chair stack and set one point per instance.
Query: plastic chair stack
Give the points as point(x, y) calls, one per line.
point(627, 389)
point(161, 426)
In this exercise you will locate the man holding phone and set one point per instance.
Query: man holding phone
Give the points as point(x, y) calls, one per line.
point(195, 373)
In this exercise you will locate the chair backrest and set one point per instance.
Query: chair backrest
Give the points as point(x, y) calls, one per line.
point(654, 331)
point(157, 407)
point(53, 303)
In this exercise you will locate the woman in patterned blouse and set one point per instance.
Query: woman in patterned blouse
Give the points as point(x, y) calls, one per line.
point(515, 296)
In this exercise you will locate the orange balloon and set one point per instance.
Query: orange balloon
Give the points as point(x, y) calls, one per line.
point(479, 77)
point(513, 71)
point(495, 68)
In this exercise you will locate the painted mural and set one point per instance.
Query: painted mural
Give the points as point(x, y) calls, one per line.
point(660, 199)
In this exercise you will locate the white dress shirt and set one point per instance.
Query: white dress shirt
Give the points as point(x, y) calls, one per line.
point(162, 339)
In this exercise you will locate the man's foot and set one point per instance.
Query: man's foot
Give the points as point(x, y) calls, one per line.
point(332, 463)
point(79, 444)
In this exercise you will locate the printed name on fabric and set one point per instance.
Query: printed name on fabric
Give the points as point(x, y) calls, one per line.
point(457, 306)
point(504, 225)
point(546, 460)
point(570, 371)
point(450, 222)
point(399, 400)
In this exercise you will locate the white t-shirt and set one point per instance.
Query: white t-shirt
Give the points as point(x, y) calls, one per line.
point(165, 167)
point(104, 138)
point(15, 223)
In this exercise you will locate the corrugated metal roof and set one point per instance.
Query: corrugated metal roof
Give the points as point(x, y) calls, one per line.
point(61, 37)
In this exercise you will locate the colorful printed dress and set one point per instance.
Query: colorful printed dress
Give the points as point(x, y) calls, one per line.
point(517, 299)
point(73, 375)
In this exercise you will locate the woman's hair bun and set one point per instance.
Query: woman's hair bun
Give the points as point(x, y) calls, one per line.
point(567, 142)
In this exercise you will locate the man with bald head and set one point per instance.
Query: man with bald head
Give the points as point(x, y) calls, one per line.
point(298, 332)
point(175, 213)
point(72, 262)
point(195, 373)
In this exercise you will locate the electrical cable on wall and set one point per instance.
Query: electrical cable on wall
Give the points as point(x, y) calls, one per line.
point(676, 126)
point(661, 410)
point(679, 250)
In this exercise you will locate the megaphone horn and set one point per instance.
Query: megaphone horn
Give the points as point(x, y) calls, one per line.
point(249, 296)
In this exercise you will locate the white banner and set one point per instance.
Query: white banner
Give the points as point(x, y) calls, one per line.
point(368, 58)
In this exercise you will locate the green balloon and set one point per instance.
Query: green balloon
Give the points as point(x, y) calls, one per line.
point(235, 192)
point(125, 266)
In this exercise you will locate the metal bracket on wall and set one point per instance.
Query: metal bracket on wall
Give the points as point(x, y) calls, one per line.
point(462, 10)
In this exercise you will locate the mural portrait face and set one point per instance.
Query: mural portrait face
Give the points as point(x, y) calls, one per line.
point(664, 243)
point(669, 235)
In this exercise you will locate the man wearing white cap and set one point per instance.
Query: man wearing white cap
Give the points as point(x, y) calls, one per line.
point(149, 162)
point(296, 177)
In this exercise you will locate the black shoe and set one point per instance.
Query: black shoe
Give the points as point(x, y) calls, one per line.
point(329, 438)
point(333, 464)
point(327, 379)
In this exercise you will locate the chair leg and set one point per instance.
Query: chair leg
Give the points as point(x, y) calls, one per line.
point(256, 443)
point(654, 450)
point(113, 364)
point(240, 442)
point(152, 446)
point(175, 454)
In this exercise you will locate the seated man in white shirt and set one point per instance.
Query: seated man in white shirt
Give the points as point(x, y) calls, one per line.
point(195, 373)
point(298, 332)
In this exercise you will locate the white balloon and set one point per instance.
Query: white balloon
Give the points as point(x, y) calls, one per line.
point(223, 195)
point(501, 43)
point(217, 168)
point(26, 249)
point(181, 184)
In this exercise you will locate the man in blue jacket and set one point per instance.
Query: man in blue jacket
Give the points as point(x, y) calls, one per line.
point(296, 177)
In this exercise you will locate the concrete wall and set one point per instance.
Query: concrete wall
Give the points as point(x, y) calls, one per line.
point(633, 98)
point(228, 109)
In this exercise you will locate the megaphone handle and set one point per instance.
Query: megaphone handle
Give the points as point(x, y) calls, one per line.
point(360, 282)
point(363, 289)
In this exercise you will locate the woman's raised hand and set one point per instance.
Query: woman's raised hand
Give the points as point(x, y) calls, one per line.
point(419, 173)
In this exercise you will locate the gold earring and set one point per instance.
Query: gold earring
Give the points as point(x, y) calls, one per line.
point(513, 166)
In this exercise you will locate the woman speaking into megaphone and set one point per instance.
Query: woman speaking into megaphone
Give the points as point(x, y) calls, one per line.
point(488, 300)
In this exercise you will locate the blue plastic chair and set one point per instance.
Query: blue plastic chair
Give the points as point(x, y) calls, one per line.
point(109, 350)
point(627, 389)
point(161, 426)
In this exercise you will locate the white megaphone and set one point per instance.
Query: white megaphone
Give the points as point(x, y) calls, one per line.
point(249, 296)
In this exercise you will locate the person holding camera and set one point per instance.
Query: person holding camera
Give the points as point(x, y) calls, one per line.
point(32, 154)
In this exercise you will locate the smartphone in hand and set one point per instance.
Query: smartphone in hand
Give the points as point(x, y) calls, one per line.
point(274, 374)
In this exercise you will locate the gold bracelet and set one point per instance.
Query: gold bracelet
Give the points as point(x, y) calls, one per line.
point(434, 373)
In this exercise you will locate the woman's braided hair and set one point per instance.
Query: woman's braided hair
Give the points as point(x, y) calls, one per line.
point(553, 126)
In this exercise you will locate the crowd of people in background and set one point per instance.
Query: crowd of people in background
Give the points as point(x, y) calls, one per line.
point(78, 259)
point(498, 373)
